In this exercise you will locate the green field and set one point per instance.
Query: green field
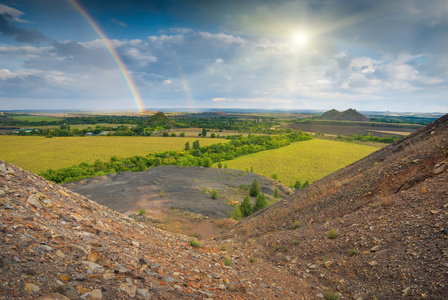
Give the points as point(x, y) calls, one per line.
point(308, 160)
point(37, 154)
point(36, 118)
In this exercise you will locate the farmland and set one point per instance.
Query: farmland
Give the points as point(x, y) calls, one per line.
point(307, 160)
point(30, 118)
point(37, 154)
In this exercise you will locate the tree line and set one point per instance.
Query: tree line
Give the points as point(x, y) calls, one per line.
point(203, 156)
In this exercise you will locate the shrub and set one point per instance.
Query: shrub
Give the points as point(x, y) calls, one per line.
point(354, 251)
point(298, 184)
point(236, 213)
point(194, 243)
point(297, 224)
point(187, 146)
point(213, 135)
point(182, 134)
point(227, 261)
point(162, 193)
point(251, 260)
point(307, 183)
point(274, 176)
point(254, 188)
point(142, 212)
point(165, 134)
point(332, 234)
point(246, 207)
point(173, 134)
point(276, 193)
point(214, 194)
point(296, 242)
point(220, 165)
point(223, 247)
point(244, 187)
point(331, 295)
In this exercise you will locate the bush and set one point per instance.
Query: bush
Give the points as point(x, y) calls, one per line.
point(298, 184)
point(354, 252)
point(274, 176)
point(194, 243)
point(213, 135)
point(332, 234)
point(254, 188)
point(173, 134)
point(220, 165)
point(307, 183)
point(214, 194)
point(331, 295)
point(297, 224)
point(244, 187)
point(142, 212)
point(182, 134)
point(276, 193)
point(246, 207)
point(165, 134)
point(236, 213)
point(227, 261)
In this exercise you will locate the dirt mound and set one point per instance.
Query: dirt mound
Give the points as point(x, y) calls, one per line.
point(390, 212)
point(347, 115)
point(165, 192)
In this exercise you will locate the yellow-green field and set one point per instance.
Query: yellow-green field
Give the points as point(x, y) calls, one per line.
point(308, 160)
point(37, 154)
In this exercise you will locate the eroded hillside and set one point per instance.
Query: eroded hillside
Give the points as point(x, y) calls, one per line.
point(377, 228)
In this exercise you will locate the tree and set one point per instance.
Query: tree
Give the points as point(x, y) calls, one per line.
point(207, 162)
point(298, 184)
point(213, 135)
point(182, 134)
point(173, 134)
point(165, 134)
point(204, 132)
point(307, 183)
point(246, 207)
point(196, 145)
point(187, 146)
point(276, 193)
point(260, 202)
point(254, 188)
point(220, 165)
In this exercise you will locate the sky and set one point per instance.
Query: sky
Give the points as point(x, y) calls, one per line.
point(377, 55)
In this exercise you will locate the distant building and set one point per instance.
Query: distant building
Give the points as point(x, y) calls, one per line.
point(17, 131)
point(89, 134)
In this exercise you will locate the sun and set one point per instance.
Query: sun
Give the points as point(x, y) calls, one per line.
point(300, 39)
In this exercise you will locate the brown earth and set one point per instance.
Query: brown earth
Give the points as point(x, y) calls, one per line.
point(346, 130)
point(388, 212)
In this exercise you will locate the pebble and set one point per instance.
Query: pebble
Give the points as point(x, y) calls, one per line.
point(68, 290)
point(129, 289)
point(53, 296)
point(144, 294)
point(34, 200)
point(31, 288)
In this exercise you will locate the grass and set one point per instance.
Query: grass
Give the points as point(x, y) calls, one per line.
point(308, 160)
point(332, 234)
point(194, 243)
point(354, 251)
point(37, 154)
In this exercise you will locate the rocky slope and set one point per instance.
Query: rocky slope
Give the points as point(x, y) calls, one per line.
point(56, 244)
point(389, 212)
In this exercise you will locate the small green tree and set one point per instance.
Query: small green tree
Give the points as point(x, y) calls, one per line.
point(225, 166)
point(298, 184)
point(274, 176)
point(173, 134)
point(207, 162)
point(276, 193)
point(196, 145)
point(204, 132)
point(220, 165)
point(260, 202)
point(214, 194)
point(165, 134)
point(187, 146)
point(307, 183)
point(142, 212)
point(246, 207)
point(254, 188)
point(213, 135)
point(182, 134)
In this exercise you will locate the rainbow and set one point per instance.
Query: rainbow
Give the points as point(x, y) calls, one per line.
point(124, 71)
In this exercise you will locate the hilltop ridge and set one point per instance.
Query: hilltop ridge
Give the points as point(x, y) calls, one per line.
point(347, 115)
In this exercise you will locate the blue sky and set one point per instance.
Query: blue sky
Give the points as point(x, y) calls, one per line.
point(299, 54)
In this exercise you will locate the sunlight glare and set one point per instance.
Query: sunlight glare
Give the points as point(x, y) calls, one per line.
point(300, 39)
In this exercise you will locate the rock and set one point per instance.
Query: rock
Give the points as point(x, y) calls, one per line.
point(406, 291)
point(2, 193)
point(31, 288)
point(373, 249)
point(60, 254)
point(92, 257)
point(68, 290)
point(108, 275)
point(34, 201)
point(129, 289)
point(3, 168)
point(320, 295)
point(144, 294)
point(95, 294)
point(439, 168)
point(168, 279)
point(328, 263)
point(80, 277)
point(53, 296)
point(45, 248)
point(434, 211)
point(93, 267)
point(79, 249)
point(221, 287)
point(135, 243)
point(120, 269)
point(373, 263)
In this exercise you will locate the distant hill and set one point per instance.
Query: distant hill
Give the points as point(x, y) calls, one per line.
point(348, 115)
point(159, 119)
